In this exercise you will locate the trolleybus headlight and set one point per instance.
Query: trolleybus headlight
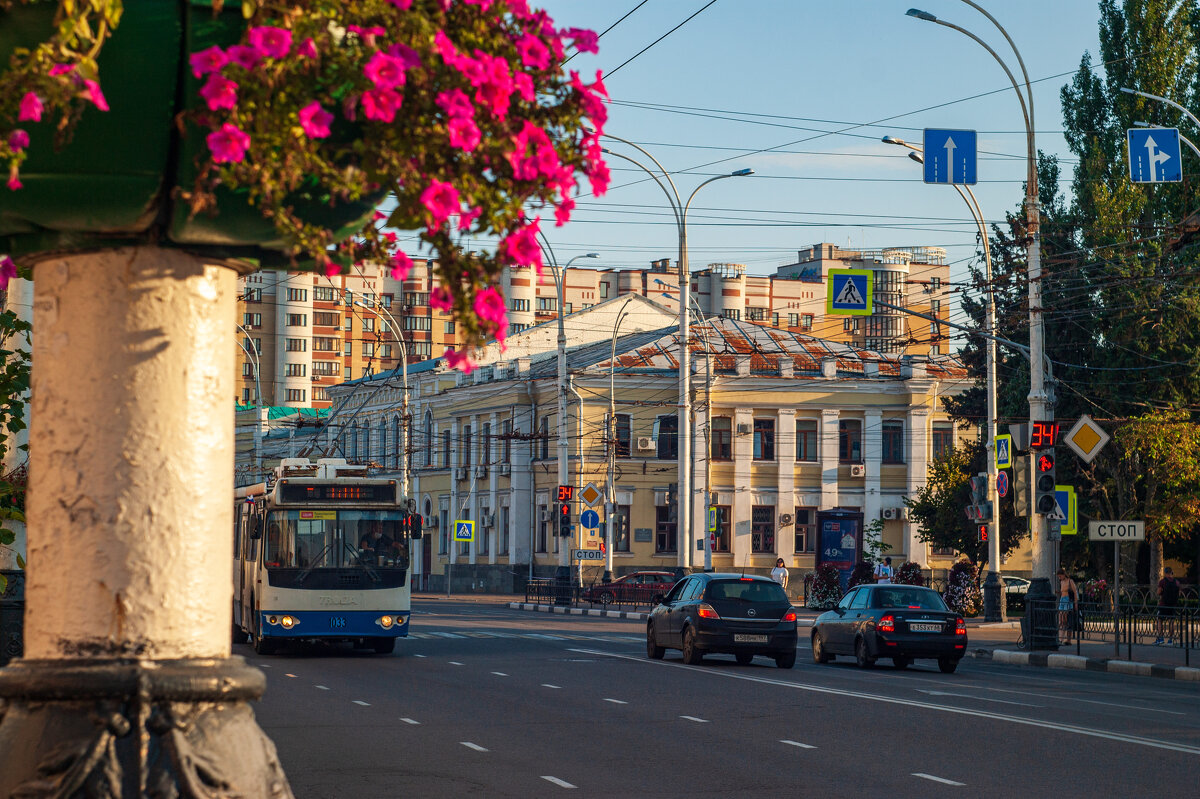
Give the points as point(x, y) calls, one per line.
point(289, 622)
point(272, 620)
point(384, 621)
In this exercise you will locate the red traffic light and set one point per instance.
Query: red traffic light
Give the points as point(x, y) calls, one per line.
point(1045, 462)
point(983, 533)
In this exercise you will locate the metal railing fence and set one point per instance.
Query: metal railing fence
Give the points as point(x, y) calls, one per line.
point(1046, 626)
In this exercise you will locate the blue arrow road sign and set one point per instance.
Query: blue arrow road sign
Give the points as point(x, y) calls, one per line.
point(589, 519)
point(1154, 155)
point(950, 156)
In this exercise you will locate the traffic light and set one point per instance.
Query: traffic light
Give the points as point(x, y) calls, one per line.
point(1044, 481)
point(564, 519)
point(983, 533)
point(980, 508)
point(1021, 504)
point(415, 522)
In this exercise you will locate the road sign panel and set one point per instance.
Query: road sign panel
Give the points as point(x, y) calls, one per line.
point(589, 519)
point(1004, 452)
point(591, 495)
point(587, 554)
point(1065, 509)
point(464, 530)
point(712, 519)
point(1087, 438)
point(1117, 531)
point(849, 292)
point(1002, 483)
point(1154, 155)
point(950, 156)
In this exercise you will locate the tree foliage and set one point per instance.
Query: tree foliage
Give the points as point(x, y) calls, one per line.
point(14, 384)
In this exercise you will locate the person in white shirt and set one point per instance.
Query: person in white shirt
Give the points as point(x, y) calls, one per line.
point(780, 574)
point(883, 571)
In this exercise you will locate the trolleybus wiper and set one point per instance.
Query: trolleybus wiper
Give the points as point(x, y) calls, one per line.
point(305, 572)
point(356, 555)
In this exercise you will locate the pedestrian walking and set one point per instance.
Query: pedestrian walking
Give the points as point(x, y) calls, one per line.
point(883, 571)
point(1168, 600)
point(1067, 595)
point(780, 573)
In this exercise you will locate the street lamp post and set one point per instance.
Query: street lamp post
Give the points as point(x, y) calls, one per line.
point(564, 555)
point(994, 604)
point(683, 514)
point(403, 443)
point(256, 362)
point(1039, 399)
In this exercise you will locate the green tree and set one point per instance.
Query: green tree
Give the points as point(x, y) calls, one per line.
point(14, 382)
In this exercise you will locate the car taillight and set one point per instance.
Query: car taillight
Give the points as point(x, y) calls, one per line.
point(706, 611)
point(887, 624)
point(789, 616)
point(960, 627)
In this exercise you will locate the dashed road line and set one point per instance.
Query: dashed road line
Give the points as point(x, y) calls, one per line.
point(455, 663)
point(360, 702)
point(558, 782)
point(942, 780)
point(616, 701)
point(321, 687)
point(797, 743)
point(418, 656)
point(548, 685)
point(409, 721)
point(289, 675)
point(470, 745)
point(693, 718)
point(499, 674)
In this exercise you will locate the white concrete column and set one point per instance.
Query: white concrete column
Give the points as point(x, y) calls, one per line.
point(699, 505)
point(131, 446)
point(521, 515)
point(918, 468)
point(489, 459)
point(785, 484)
point(740, 507)
point(19, 300)
point(873, 459)
point(827, 445)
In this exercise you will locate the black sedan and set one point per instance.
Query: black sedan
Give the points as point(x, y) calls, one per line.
point(901, 622)
point(730, 614)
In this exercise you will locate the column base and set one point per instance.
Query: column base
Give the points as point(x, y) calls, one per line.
point(993, 596)
point(169, 728)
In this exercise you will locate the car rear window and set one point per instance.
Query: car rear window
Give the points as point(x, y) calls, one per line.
point(747, 590)
point(908, 598)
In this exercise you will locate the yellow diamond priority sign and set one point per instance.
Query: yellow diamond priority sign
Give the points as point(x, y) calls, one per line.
point(1087, 438)
point(591, 495)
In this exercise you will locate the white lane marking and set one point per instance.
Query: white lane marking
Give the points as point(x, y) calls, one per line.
point(693, 718)
point(1153, 743)
point(797, 743)
point(470, 745)
point(455, 663)
point(942, 780)
point(321, 687)
point(544, 638)
point(558, 782)
point(548, 685)
point(616, 701)
point(1087, 701)
point(499, 674)
point(289, 675)
point(409, 721)
point(976, 698)
point(264, 665)
point(360, 702)
point(418, 656)
point(450, 635)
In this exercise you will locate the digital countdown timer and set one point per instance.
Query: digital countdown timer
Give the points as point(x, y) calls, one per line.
point(566, 493)
point(1043, 435)
point(335, 492)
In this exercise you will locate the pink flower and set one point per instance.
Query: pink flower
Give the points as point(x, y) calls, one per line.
point(563, 209)
point(496, 86)
point(379, 216)
point(381, 104)
point(8, 270)
point(533, 52)
point(463, 133)
point(307, 49)
point(521, 248)
point(270, 41)
point(61, 69)
point(332, 269)
point(409, 56)
point(446, 48)
point(585, 41)
point(385, 71)
point(14, 179)
point(455, 103)
point(92, 90)
point(219, 92)
point(31, 108)
point(403, 5)
point(459, 360)
point(228, 143)
point(489, 306)
point(245, 57)
point(315, 120)
point(401, 266)
point(18, 139)
point(210, 60)
point(524, 86)
point(589, 98)
point(598, 176)
point(467, 218)
point(440, 299)
point(441, 200)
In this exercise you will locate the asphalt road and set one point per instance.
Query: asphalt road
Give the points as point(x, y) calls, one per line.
point(487, 701)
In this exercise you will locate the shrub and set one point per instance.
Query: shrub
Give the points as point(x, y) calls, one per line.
point(863, 572)
point(909, 573)
point(963, 595)
point(826, 588)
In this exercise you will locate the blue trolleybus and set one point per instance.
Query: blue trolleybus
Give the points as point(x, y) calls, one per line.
point(321, 552)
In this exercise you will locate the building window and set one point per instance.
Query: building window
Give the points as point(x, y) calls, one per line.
point(348, 349)
point(368, 349)
point(296, 369)
point(624, 435)
point(664, 529)
point(418, 323)
point(724, 527)
point(349, 323)
point(722, 438)
point(247, 369)
point(324, 344)
point(567, 307)
point(348, 297)
point(520, 305)
point(733, 313)
point(604, 291)
point(385, 350)
point(850, 441)
point(368, 324)
point(893, 442)
point(806, 529)
point(793, 320)
point(297, 345)
point(296, 395)
point(542, 529)
point(668, 437)
point(935, 284)
point(762, 528)
point(506, 441)
point(325, 319)
point(764, 439)
point(547, 303)
point(253, 295)
point(756, 314)
point(943, 439)
point(419, 298)
point(369, 300)
point(297, 295)
point(346, 375)
point(502, 531)
point(545, 438)
point(324, 294)
point(448, 328)
point(806, 321)
point(245, 396)
point(385, 300)
point(485, 444)
point(320, 394)
point(419, 350)
point(482, 534)
point(775, 320)
point(806, 439)
point(464, 457)
point(429, 441)
point(446, 449)
point(252, 320)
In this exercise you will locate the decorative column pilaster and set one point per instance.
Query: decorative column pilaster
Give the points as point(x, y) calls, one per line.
point(918, 468)
point(127, 687)
point(873, 460)
point(828, 447)
point(785, 450)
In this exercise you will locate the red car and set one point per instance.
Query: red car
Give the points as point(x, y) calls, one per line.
point(635, 588)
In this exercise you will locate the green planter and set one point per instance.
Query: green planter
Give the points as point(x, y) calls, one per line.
point(114, 183)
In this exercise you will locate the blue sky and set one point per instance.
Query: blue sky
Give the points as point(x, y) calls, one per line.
point(808, 78)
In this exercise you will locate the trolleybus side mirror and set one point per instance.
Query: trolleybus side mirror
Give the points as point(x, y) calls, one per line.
point(256, 530)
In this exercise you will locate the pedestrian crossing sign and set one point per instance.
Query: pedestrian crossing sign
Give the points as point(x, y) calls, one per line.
point(1004, 452)
point(464, 530)
point(849, 292)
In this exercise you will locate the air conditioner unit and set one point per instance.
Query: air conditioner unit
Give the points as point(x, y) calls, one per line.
point(460, 473)
point(890, 514)
point(745, 429)
point(481, 471)
point(488, 520)
point(785, 519)
point(645, 443)
point(545, 514)
point(432, 522)
point(505, 468)
point(858, 470)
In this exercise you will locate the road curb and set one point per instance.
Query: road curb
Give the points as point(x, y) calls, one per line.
point(1080, 663)
point(611, 614)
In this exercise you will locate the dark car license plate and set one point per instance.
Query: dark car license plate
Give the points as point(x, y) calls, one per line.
point(918, 627)
point(746, 638)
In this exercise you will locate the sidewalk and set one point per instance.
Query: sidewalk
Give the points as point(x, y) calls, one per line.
point(988, 641)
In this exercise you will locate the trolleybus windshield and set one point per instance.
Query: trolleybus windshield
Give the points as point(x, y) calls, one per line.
point(335, 538)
